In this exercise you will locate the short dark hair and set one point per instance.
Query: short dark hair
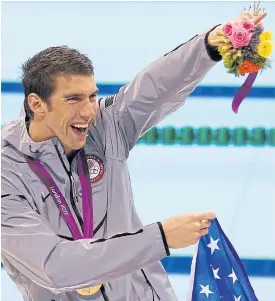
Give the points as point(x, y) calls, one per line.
point(40, 70)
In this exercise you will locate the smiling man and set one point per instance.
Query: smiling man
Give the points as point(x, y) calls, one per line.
point(61, 93)
point(69, 226)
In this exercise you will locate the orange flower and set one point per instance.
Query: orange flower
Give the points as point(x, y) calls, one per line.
point(248, 67)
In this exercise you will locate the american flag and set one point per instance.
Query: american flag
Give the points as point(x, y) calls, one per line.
point(217, 273)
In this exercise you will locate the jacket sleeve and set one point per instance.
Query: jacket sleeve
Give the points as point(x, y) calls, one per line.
point(161, 88)
point(31, 245)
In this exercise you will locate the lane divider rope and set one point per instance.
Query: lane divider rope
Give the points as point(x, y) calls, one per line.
point(204, 136)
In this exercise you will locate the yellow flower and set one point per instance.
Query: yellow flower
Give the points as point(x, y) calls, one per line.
point(225, 48)
point(239, 53)
point(265, 36)
point(265, 49)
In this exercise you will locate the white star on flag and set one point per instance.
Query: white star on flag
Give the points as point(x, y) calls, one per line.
point(233, 276)
point(215, 272)
point(237, 299)
point(213, 244)
point(205, 290)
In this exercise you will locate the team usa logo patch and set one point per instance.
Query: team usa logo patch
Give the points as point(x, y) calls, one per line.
point(96, 168)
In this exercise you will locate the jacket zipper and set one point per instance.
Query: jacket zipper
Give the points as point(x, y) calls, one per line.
point(104, 294)
point(150, 285)
point(72, 190)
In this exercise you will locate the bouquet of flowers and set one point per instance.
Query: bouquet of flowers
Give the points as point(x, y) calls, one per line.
point(245, 48)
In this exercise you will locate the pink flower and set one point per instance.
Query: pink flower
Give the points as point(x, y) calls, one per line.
point(227, 29)
point(240, 37)
point(247, 24)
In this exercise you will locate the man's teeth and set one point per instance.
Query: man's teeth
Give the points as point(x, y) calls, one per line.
point(81, 125)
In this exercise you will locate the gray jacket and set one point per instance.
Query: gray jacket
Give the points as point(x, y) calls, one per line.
point(38, 251)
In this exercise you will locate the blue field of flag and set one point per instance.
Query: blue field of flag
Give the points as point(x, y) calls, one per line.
point(217, 271)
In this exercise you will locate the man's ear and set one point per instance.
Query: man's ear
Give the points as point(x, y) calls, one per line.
point(36, 105)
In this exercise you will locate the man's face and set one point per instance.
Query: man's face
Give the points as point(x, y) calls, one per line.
point(72, 110)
